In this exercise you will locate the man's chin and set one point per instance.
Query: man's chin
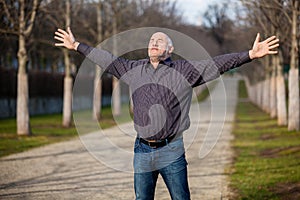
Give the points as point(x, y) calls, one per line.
point(155, 59)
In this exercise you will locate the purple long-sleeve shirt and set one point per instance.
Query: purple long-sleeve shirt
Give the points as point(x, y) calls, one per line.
point(162, 96)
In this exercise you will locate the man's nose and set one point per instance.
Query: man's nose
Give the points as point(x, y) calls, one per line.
point(155, 43)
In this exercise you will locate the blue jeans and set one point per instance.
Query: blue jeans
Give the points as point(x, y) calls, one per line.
point(168, 161)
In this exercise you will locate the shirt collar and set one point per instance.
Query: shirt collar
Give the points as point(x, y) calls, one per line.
point(167, 61)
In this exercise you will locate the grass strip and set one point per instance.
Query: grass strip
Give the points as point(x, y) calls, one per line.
point(266, 163)
point(47, 129)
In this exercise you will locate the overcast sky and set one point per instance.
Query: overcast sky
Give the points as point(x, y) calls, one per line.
point(193, 10)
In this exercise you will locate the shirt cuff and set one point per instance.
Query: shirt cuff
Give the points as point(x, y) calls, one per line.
point(244, 57)
point(84, 49)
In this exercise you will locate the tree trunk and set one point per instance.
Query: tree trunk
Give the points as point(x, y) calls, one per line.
point(293, 117)
point(281, 95)
point(293, 122)
point(266, 87)
point(68, 80)
point(259, 94)
point(67, 106)
point(116, 97)
point(23, 124)
point(266, 94)
point(255, 93)
point(251, 93)
point(130, 101)
point(257, 86)
point(273, 101)
point(97, 103)
point(97, 94)
point(68, 83)
point(250, 90)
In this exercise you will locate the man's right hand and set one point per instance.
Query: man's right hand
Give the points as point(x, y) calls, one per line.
point(67, 39)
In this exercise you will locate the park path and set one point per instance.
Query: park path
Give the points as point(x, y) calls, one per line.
point(67, 171)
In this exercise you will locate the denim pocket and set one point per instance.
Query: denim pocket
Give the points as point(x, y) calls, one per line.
point(176, 145)
point(137, 144)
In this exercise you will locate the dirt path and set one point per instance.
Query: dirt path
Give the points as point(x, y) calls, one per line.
point(67, 171)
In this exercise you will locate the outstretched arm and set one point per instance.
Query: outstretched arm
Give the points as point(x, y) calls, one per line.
point(208, 70)
point(116, 66)
point(266, 47)
point(67, 39)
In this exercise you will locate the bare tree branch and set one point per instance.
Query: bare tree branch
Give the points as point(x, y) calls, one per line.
point(6, 10)
point(14, 32)
point(32, 18)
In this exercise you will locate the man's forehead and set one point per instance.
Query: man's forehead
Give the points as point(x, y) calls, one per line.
point(159, 35)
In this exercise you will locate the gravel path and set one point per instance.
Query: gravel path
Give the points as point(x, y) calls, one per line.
point(67, 170)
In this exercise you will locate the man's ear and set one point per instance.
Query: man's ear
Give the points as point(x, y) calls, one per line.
point(170, 50)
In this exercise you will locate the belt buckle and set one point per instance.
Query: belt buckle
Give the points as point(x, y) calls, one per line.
point(152, 145)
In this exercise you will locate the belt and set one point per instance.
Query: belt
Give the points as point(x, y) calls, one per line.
point(158, 143)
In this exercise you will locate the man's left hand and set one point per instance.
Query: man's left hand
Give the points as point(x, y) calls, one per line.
point(266, 47)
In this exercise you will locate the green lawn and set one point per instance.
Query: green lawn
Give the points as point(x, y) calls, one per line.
point(46, 129)
point(267, 157)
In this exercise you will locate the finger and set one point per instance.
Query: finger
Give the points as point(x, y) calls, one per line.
point(270, 39)
point(59, 38)
point(62, 31)
point(59, 44)
point(59, 34)
point(71, 35)
point(69, 31)
point(273, 46)
point(272, 52)
point(274, 42)
point(257, 38)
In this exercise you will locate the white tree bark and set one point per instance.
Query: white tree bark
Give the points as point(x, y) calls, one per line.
point(293, 116)
point(252, 93)
point(23, 125)
point(130, 101)
point(25, 28)
point(97, 101)
point(116, 97)
point(281, 95)
point(68, 80)
point(273, 99)
point(281, 102)
point(256, 91)
point(266, 95)
point(67, 106)
point(293, 121)
point(266, 87)
point(250, 90)
point(259, 94)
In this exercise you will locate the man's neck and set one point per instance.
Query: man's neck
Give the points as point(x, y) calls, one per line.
point(155, 61)
point(154, 64)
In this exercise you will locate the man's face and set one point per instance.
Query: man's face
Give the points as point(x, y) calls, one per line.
point(158, 45)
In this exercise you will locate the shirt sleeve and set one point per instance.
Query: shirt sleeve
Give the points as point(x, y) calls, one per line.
point(114, 65)
point(200, 72)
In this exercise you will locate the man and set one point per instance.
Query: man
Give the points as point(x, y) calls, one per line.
point(161, 94)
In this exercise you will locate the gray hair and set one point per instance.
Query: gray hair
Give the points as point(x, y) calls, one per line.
point(170, 42)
